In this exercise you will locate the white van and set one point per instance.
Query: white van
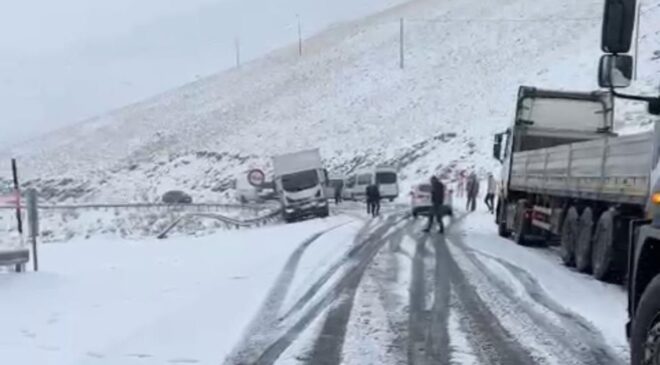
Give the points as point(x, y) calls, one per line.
point(388, 182)
point(349, 186)
point(363, 178)
point(355, 186)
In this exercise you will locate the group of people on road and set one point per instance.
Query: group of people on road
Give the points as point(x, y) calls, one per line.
point(468, 186)
point(472, 191)
point(439, 208)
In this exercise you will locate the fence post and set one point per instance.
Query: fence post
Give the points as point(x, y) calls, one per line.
point(401, 46)
point(17, 192)
point(33, 225)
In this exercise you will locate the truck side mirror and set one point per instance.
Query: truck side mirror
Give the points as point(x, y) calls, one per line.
point(615, 71)
point(618, 24)
point(497, 147)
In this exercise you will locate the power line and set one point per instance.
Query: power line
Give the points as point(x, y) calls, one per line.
point(505, 20)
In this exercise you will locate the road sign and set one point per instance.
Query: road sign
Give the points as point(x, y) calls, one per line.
point(10, 199)
point(256, 177)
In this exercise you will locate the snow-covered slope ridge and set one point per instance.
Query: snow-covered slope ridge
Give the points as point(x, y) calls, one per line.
point(464, 60)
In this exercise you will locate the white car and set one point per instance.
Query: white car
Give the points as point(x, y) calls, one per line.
point(420, 200)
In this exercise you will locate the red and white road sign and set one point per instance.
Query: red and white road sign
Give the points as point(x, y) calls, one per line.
point(256, 177)
point(12, 199)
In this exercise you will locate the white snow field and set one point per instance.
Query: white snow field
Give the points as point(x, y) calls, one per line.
point(150, 302)
point(464, 60)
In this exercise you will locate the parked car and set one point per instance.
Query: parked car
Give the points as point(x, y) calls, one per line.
point(420, 199)
point(177, 197)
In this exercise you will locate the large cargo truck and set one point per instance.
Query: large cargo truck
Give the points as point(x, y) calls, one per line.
point(300, 182)
point(567, 177)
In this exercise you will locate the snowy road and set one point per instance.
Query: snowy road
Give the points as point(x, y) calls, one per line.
point(343, 290)
point(404, 297)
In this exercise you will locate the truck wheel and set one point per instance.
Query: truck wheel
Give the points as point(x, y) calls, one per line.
point(601, 256)
point(522, 223)
point(645, 333)
point(502, 230)
point(583, 246)
point(569, 233)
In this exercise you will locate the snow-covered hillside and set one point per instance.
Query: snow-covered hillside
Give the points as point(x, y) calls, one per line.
point(464, 60)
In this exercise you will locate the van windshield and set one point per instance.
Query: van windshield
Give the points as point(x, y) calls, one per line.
point(364, 179)
point(300, 181)
point(386, 178)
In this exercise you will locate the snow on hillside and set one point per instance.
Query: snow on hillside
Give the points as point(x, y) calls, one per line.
point(464, 62)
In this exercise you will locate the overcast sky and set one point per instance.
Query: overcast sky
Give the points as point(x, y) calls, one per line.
point(67, 60)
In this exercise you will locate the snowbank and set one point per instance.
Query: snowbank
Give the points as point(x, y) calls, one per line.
point(149, 302)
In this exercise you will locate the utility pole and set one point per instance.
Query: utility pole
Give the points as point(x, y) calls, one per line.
point(401, 48)
point(237, 44)
point(639, 19)
point(299, 36)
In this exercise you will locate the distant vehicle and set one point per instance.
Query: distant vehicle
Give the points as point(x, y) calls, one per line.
point(420, 199)
point(385, 177)
point(245, 192)
point(333, 184)
point(177, 197)
point(300, 181)
point(388, 182)
point(349, 186)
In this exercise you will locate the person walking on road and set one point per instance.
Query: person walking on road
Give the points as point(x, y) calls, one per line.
point(490, 193)
point(437, 204)
point(472, 189)
point(373, 200)
point(338, 188)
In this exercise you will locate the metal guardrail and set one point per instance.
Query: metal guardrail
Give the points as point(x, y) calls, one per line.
point(141, 205)
point(227, 220)
point(15, 259)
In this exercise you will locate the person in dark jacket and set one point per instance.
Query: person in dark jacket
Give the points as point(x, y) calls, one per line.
point(437, 204)
point(338, 188)
point(472, 192)
point(373, 200)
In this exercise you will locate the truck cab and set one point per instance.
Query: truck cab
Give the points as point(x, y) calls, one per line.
point(301, 181)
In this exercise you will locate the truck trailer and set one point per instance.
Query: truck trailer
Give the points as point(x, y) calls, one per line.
point(567, 177)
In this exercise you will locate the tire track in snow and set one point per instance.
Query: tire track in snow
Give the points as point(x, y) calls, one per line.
point(488, 337)
point(428, 339)
point(267, 318)
point(266, 347)
point(329, 345)
point(573, 331)
point(365, 232)
point(361, 258)
point(551, 343)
